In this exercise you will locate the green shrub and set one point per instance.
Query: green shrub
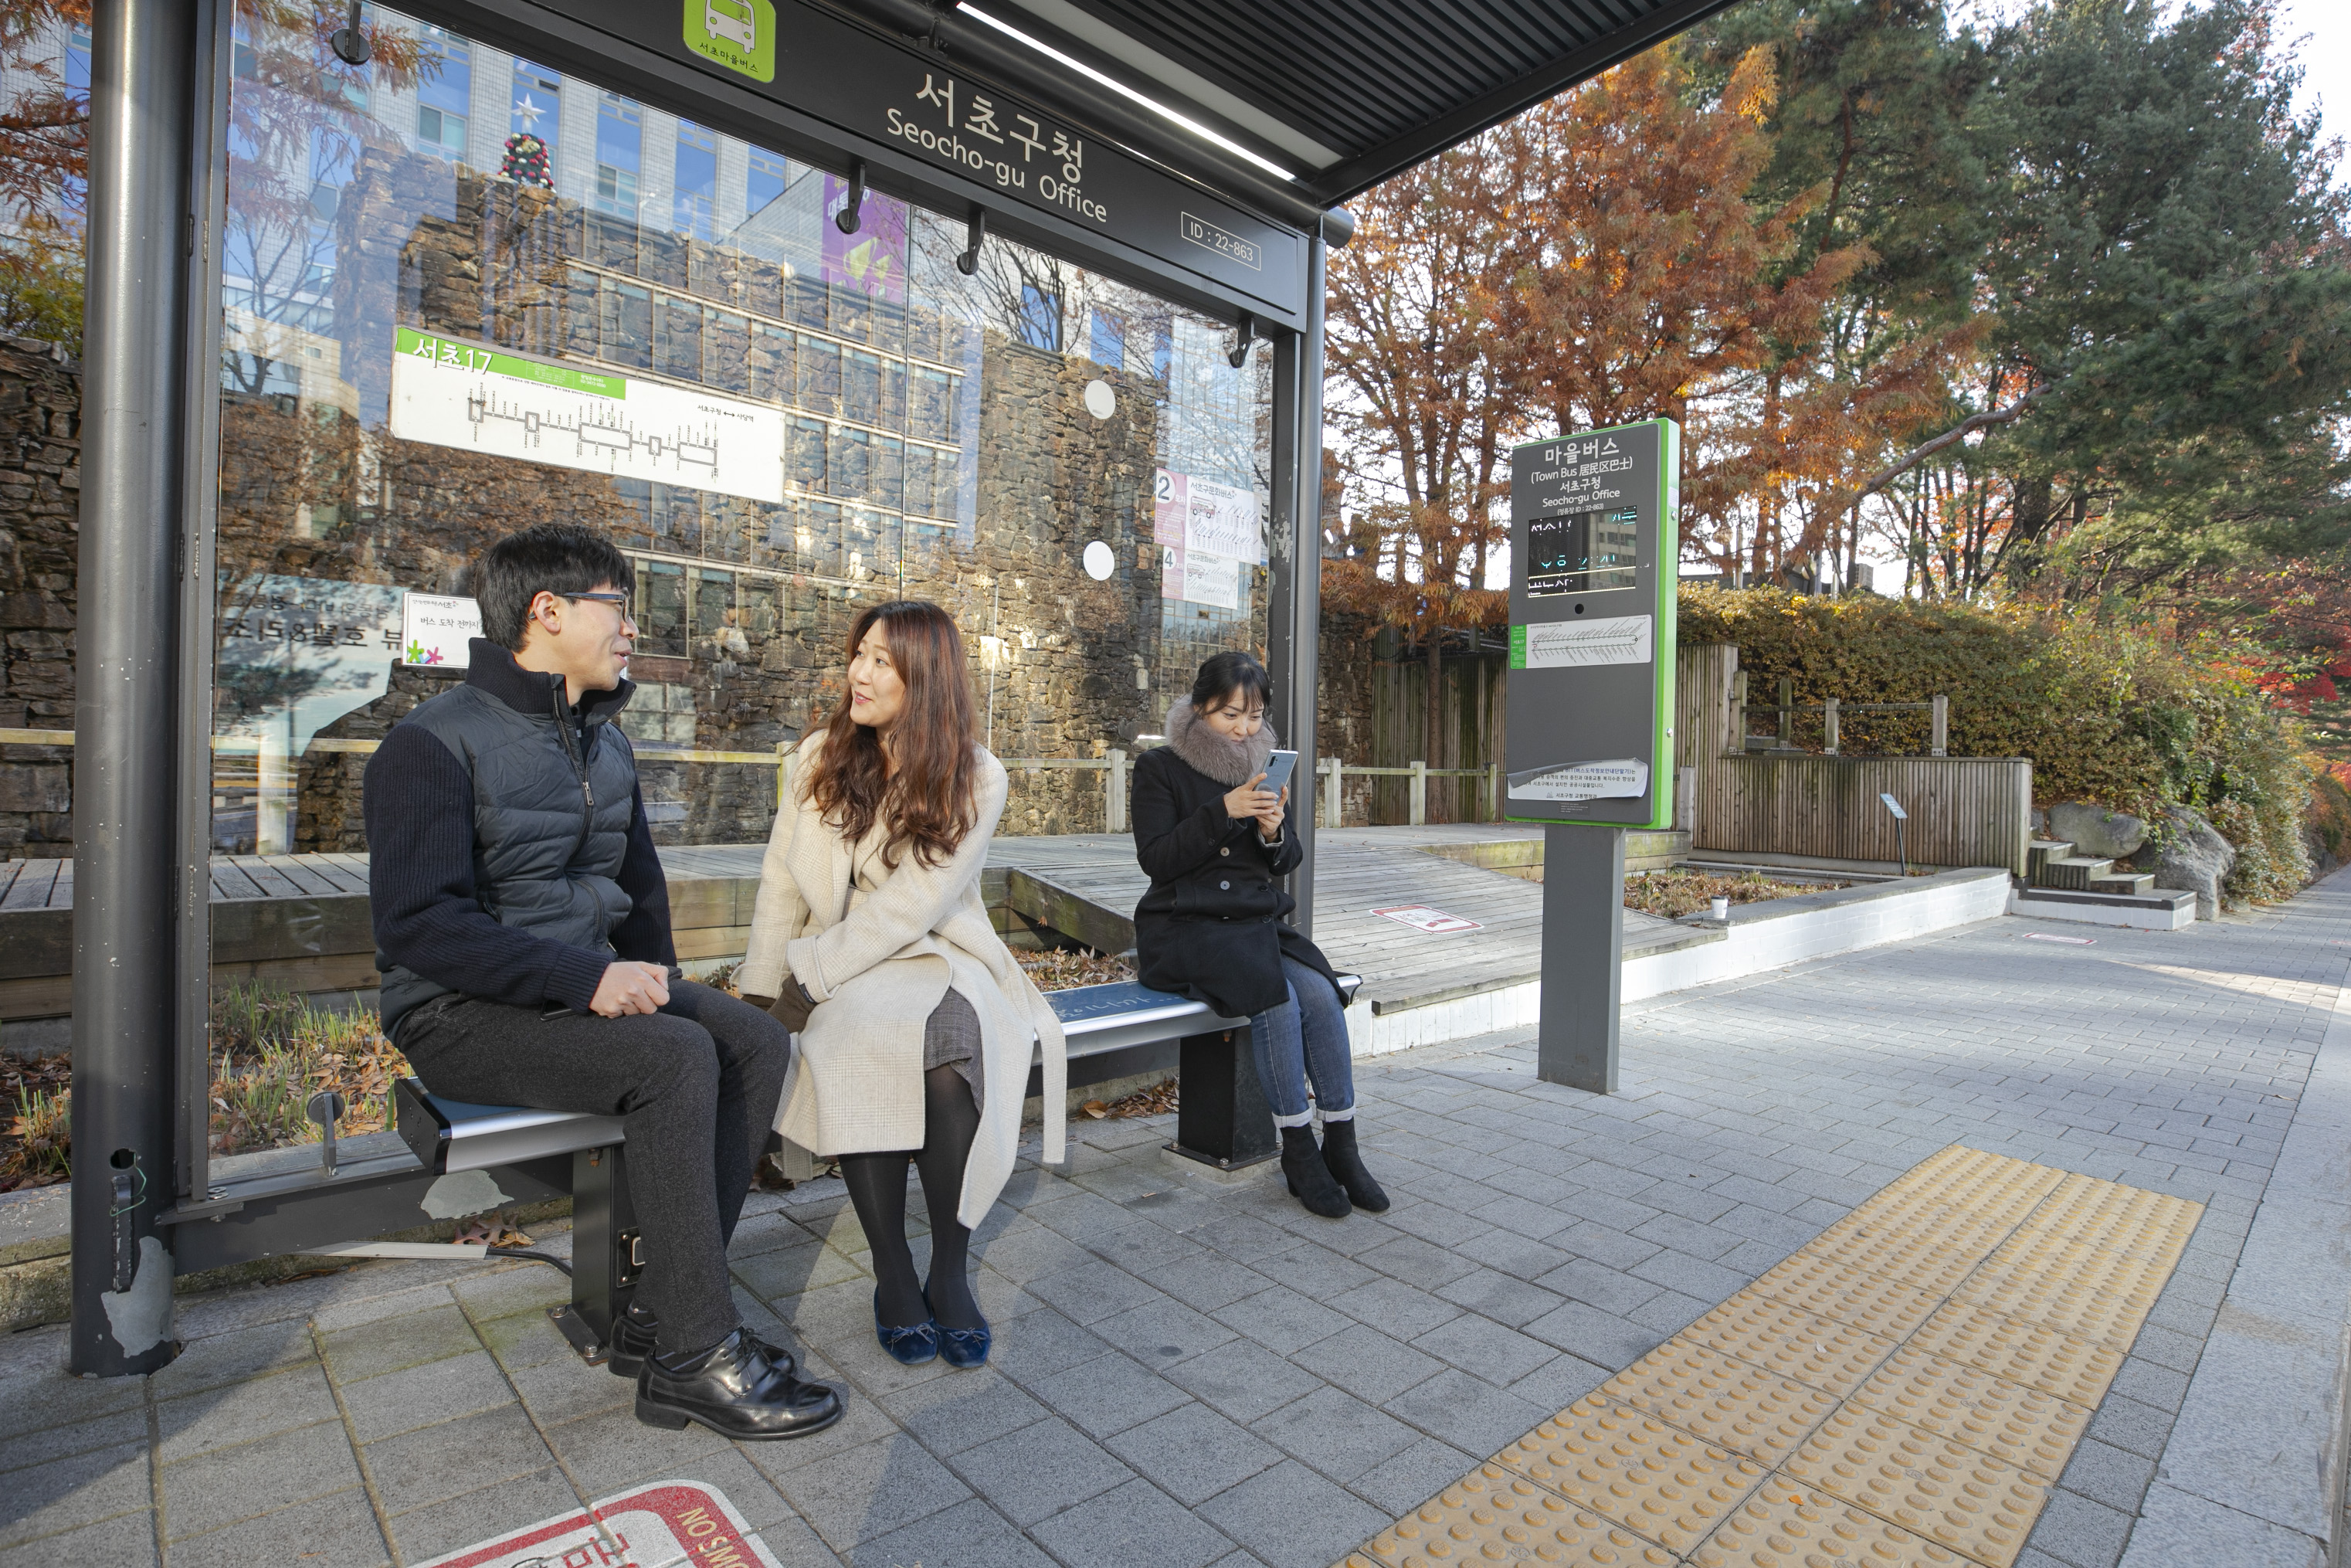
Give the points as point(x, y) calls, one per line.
point(2108, 711)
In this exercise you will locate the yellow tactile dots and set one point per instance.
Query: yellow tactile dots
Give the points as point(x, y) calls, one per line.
point(1901, 1392)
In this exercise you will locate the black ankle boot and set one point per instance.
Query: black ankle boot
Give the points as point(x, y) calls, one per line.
point(1311, 1182)
point(733, 1390)
point(1347, 1163)
point(632, 1342)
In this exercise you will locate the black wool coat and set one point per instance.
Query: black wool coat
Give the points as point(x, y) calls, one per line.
point(1212, 925)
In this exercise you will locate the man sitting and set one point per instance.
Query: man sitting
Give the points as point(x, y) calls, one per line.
point(522, 929)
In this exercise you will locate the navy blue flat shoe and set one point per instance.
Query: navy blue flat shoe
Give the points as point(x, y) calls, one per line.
point(912, 1346)
point(962, 1347)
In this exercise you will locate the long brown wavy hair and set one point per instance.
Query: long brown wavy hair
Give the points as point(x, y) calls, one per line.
point(928, 802)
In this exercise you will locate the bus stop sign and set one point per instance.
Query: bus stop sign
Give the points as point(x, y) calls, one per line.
point(1595, 555)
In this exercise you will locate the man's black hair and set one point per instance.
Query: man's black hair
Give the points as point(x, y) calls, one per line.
point(552, 558)
point(1228, 673)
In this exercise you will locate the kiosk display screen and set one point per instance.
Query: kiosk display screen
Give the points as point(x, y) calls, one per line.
point(1583, 552)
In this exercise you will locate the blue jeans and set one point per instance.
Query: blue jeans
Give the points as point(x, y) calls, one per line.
point(1304, 1038)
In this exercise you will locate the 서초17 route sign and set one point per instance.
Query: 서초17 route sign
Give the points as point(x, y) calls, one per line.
point(1594, 556)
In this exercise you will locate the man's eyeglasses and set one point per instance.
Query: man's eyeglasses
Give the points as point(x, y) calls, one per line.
point(620, 601)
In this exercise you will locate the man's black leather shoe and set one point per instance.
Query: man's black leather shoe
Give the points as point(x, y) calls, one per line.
point(632, 1342)
point(737, 1392)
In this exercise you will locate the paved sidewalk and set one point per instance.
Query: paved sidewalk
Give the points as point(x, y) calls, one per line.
point(1191, 1376)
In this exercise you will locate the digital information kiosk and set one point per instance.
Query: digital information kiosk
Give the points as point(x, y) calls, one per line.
point(1594, 557)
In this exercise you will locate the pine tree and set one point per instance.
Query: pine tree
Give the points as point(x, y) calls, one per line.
point(526, 161)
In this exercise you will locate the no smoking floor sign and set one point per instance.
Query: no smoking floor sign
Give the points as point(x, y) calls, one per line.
point(685, 1523)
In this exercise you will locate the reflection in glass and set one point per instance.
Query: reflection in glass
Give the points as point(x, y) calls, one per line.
point(777, 422)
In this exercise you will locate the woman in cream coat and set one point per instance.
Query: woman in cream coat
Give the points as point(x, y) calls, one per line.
point(870, 939)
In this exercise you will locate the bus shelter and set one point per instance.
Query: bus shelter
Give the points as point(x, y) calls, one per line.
point(1017, 309)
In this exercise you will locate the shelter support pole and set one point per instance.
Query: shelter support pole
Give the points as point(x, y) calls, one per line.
point(1583, 956)
point(146, 61)
point(1294, 550)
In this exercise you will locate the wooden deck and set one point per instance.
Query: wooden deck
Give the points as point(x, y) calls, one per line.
point(301, 920)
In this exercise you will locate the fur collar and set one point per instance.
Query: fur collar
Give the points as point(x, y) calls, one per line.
point(1228, 762)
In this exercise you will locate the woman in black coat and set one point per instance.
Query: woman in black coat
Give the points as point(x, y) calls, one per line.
point(1211, 927)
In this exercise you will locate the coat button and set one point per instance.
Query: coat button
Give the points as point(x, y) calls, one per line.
point(1225, 851)
point(1224, 887)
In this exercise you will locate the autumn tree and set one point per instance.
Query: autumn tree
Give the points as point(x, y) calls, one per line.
point(1409, 335)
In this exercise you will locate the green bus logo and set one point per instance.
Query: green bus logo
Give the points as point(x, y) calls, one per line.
point(739, 34)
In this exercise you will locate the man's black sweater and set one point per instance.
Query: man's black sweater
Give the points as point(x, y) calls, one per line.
point(419, 804)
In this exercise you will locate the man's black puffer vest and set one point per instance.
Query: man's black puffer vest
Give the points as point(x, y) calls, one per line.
point(550, 815)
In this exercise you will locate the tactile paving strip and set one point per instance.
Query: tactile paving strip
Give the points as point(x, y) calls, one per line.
point(1790, 1525)
point(1495, 1515)
point(2067, 1365)
point(2032, 1430)
point(1829, 1355)
point(1721, 1400)
point(1918, 1374)
point(1948, 1493)
point(1629, 1465)
point(1850, 1294)
point(2068, 1285)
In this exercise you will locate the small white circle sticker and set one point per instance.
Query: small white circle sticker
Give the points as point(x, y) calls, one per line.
point(1099, 562)
point(1100, 402)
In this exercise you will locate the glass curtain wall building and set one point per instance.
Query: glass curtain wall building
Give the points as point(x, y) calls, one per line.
point(464, 293)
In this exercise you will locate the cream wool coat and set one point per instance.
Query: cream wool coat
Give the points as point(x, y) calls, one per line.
point(877, 947)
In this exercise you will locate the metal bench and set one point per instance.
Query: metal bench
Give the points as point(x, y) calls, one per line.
point(1223, 1121)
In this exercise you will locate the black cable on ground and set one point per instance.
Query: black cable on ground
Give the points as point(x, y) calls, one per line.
point(534, 1257)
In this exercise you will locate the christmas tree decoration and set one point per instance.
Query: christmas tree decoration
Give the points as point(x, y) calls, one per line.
point(526, 161)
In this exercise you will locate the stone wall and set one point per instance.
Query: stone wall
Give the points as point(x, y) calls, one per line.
point(40, 490)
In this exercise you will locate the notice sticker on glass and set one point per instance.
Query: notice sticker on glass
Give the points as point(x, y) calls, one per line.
point(1565, 644)
point(1171, 499)
point(1421, 918)
point(1211, 579)
point(434, 628)
point(1222, 520)
point(1620, 778)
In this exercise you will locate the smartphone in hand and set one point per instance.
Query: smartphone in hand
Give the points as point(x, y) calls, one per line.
point(1278, 770)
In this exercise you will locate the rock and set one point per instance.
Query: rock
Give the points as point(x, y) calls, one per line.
point(2094, 830)
point(2195, 857)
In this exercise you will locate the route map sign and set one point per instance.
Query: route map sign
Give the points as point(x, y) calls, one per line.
point(454, 392)
point(1595, 555)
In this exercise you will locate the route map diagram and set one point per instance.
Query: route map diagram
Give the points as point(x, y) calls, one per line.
point(1561, 644)
point(451, 392)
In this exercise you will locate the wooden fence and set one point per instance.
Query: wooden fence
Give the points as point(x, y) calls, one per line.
point(1963, 810)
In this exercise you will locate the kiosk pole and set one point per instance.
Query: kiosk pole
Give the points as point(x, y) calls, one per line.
point(1583, 956)
point(126, 774)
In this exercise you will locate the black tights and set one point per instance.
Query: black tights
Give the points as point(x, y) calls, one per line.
point(877, 1187)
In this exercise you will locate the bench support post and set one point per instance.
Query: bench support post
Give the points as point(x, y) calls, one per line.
point(606, 1252)
point(1223, 1118)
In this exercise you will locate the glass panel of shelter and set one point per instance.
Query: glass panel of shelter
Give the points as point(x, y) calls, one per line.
point(464, 292)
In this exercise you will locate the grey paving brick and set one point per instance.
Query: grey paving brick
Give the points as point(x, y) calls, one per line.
point(1091, 1291)
point(1288, 1517)
point(971, 1531)
point(1603, 1245)
point(1601, 1338)
point(336, 1531)
point(473, 1452)
point(79, 1490)
point(2150, 1385)
point(1163, 1332)
point(2109, 1475)
point(1110, 1393)
point(1366, 1362)
point(1417, 1263)
point(1038, 1471)
point(1515, 1256)
point(1497, 1354)
point(1399, 1308)
point(1282, 1319)
point(422, 1395)
point(1205, 1287)
point(1137, 1523)
point(209, 1363)
point(446, 1525)
point(1559, 1381)
point(1042, 1344)
point(1192, 1453)
point(224, 1485)
point(125, 1541)
point(2126, 1424)
point(1467, 1412)
point(389, 1345)
point(1597, 1284)
point(949, 1414)
point(2080, 1532)
point(868, 1492)
point(1679, 1272)
point(1404, 1481)
point(1243, 1379)
point(262, 1407)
